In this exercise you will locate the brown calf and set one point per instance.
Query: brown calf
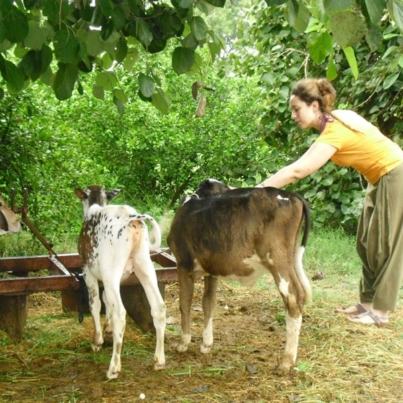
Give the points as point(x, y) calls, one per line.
point(220, 232)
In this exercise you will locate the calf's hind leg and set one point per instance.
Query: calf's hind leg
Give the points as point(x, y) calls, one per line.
point(95, 308)
point(287, 285)
point(186, 285)
point(117, 314)
point(147, 276)
point(209, 304)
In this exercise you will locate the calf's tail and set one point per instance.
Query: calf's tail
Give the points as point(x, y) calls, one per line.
point(300, 253)
point(155, 233)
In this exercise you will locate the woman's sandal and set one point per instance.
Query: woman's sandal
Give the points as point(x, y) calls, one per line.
point(352, 310)
point(369, 318)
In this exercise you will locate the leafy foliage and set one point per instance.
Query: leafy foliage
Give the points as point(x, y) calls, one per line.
point(286, 55)
point(57, 41)
point(243, 132)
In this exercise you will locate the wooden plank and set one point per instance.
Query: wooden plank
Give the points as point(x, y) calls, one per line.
point(71, 261)
point(164, 259)
point(29, 285)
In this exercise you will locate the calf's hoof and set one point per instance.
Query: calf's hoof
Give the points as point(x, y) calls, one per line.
point(159, 366)
point(182, 347)
point(205, 349)
point(112, 375)
point(96, 347)
point(285, 366)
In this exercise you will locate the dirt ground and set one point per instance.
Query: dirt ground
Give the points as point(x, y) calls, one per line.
point(54, 362)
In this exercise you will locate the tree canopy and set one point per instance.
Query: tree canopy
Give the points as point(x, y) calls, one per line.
point(246, 133)
point(57, 41)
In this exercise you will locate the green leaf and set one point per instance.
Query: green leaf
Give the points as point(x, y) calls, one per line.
point(13, 75)
point(119, 105)
point(107, 61)
point(327, 181)
point(395, 8)
point(275, 3)
point(120, 94)
point(98, 92)
point(131, 58)
point(184, 3)
point(298, 15)
point(171, 24)
point(320, 46)
point(66, 46)
point(352, 61)
point(106, 7)
point(189, 42)
point(143, 33)
point(375, 9)
point(182, 59)
point(216, 3)
point(64, 81)
point(161, 101)
point(37, 35)
point(391, 49)
point(146, 85)
point(35, 63)
point(215, 50)
point(118, 18)
point(57, 11)
point(15, 25)
point(93, 43)
point(390, 80)
point(198, 28)
point(348, 27)
point(374, 37)
point(331, 71)
point(47, 77)
point(121, 50)
point(331, 5)
point(107, 79)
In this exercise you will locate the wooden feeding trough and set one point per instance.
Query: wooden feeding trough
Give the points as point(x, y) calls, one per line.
point(46, 273)
point(64, 274)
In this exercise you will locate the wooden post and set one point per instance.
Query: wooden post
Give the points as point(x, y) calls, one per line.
point(133, 297)
point(13, 315)
point(137, 306)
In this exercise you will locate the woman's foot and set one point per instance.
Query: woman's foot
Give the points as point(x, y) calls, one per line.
point(371, 317)
point(356, 309)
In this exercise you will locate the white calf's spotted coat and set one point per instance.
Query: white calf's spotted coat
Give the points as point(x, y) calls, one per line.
point(113, 244)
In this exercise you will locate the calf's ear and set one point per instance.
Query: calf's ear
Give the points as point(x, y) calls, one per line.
point(3, 224)
point(112, 193)
point(80, 194)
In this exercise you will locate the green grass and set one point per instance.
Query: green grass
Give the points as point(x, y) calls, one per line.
point(337, 362)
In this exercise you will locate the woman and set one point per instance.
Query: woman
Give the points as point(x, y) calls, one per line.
point(349, 140)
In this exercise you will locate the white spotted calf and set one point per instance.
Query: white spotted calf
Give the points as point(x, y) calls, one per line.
point(113, 243)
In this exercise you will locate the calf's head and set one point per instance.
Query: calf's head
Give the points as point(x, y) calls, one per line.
point(9, 222)
point(95, 194)
point(210, 187)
